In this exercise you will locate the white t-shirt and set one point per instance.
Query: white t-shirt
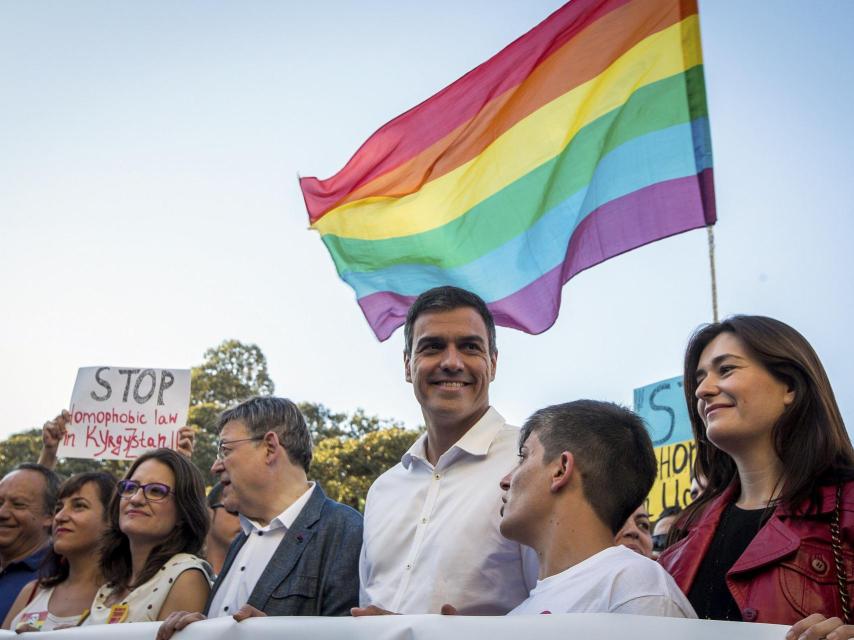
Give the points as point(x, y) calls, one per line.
point(616, 580)
point(431, 532)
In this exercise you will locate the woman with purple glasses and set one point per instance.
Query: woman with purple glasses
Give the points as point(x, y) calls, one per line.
point(158, 523)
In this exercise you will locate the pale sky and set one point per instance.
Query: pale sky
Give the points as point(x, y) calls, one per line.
point(149, 206)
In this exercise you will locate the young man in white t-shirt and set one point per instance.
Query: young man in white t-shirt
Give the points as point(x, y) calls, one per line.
point(584, 467)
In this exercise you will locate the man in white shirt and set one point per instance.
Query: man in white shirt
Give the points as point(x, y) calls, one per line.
point(583, 468)
point(431, 522)
point(298, 551)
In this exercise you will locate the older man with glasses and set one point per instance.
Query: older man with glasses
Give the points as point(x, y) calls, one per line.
point(298, 551)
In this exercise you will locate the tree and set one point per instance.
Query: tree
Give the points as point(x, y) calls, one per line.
point(231, 372)
point(346, 466)
point(18, 448)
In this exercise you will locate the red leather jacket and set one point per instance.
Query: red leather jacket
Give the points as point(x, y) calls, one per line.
point(787, 571)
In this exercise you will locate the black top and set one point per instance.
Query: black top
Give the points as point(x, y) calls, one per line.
point(709, 594)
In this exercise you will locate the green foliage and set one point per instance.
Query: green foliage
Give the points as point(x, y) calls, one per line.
point(18, 448)
point(231, 372)
point(324, 423)
point(346, 466)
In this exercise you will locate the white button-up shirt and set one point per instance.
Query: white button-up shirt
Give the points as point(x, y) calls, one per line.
point(253, 557)
point(431, 533)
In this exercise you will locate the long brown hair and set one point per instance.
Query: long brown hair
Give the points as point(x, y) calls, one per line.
point(809, 438)
point(188, 536)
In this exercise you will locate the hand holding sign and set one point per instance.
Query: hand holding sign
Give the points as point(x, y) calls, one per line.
point(117, 413)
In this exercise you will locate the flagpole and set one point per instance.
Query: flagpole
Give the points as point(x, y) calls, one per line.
point(711, 232)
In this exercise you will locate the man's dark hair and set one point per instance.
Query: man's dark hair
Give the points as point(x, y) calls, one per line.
point(611, 449)
point(448, 298)
point(669, 511)
point(279, 415)
point(215, 495)
point(51, 484)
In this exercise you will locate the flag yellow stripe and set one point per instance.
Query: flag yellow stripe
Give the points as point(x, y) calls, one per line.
point(530, 143)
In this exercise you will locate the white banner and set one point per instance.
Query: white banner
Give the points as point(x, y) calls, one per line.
point(118, 413)
point(570, 626)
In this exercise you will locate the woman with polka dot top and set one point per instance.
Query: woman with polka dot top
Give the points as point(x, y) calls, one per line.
point(158, 523)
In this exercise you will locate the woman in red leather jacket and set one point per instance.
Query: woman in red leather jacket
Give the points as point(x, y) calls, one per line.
point(757, 544)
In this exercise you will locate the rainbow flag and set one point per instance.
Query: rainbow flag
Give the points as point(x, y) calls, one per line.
point(583, 139)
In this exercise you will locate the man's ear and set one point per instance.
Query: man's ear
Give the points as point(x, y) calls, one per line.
point(271, 445)
point(494, 358)
point(562, 471)
point(406, 370)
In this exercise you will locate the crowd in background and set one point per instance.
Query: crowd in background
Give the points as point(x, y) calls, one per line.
point(478, 518)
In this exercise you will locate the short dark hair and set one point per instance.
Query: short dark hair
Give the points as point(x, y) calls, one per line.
point(54, 568)
point(279, 415)
point(612, 451)
point(448, 298)
point(675, 510)
point(51, 484)
point(189, 533)
point(215, 495)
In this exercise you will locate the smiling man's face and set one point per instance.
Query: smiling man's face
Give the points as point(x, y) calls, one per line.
point(23, 520)
point(450, 366)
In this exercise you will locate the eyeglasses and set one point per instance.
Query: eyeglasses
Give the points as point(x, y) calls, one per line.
point(222, 453)
point(659, 542)
point(153, 491)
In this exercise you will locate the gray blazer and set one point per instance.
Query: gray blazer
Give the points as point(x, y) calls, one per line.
point(315, 569)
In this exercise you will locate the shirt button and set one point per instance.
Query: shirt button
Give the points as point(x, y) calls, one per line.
point(423, 520)
point(818, 564)
point(436, 476)
point(260, 533)
point(749, 614)
point(408, 567)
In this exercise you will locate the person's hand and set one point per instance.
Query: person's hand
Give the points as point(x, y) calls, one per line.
point(248, 611)
point(817, 626)
point(53, 432)
point(176, 621)
point(186, 441)
point(449, 610)
point(370, 610)
point(26, 628)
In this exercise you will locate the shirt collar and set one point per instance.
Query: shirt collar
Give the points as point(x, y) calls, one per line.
point(32, 562)
point(475, 442)
point(284, 520)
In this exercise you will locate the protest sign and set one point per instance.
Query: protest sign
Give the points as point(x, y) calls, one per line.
point(118, 413)
point(662, 406)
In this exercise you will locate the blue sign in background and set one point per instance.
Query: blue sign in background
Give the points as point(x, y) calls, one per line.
point(662, 406)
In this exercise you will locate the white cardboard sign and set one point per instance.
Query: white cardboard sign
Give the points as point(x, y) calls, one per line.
point(118, 413)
